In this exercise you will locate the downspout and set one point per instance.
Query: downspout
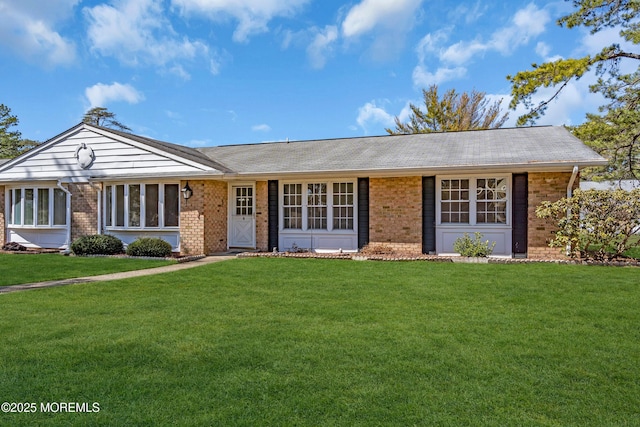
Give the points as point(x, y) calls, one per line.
point(68, 240)
point(574, 174)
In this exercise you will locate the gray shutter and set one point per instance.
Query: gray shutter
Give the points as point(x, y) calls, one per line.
point(363, 212)
point(519, 217)
point(428, 214)
point(273, 214)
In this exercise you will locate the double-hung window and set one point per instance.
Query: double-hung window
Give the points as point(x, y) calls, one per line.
point(37, 207)
point(142, 205)
point(477, 200)
point(318, 206)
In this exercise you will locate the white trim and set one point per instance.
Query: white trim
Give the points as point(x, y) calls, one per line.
point(142, 227)
point(318, 240)
point(446, 233)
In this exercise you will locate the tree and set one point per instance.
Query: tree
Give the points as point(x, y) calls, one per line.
point(596, 15)
point(453, 112)
point(100, 116)
point(11, 143)
point(616, 136)
point(595, 224)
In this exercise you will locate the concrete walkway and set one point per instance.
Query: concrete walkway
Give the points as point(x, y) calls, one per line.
point(117, 276)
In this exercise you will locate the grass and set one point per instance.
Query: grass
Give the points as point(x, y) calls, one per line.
point(17, 269)
point(331, 342)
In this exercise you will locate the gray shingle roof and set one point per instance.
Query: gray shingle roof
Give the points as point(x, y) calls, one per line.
point(531, 147)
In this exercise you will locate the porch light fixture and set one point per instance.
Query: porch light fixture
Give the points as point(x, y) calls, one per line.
point(187, 192)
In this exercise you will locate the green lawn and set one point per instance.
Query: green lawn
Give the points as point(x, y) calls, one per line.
point(16, 269)
point(331, 342)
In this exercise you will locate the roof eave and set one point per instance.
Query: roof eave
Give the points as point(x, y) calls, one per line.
point(421, 171)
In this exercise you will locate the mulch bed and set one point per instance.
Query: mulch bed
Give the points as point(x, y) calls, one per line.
point(625, 262)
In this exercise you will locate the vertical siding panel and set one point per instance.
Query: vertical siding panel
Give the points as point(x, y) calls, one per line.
point(428, 214)
point(273, 214)
point(363, 212)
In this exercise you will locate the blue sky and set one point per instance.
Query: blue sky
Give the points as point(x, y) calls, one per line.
point(217, 72)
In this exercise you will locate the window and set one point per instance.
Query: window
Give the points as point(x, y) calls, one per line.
point(151, 203)
point(142, 205)
point(343, 205)
point(491, 204)
point(317, 206)
point(292, 206)
point(474, 200)
point(37, 207)
point(325, 206)
point(455, 201)
point(244, 201)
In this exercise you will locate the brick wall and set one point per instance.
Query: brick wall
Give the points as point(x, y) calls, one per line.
point(262, 215)
point(84, 210)
point(203, 218)
point(395, 213)
point(3, 222)
point(216, 213)
point(545, 187)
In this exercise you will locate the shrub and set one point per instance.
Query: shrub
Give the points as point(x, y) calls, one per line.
point(149, 246)
point(466, 246)
point(97, 244)
point(600, 223)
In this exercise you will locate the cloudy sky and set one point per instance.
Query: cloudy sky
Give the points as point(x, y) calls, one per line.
point(215, 72)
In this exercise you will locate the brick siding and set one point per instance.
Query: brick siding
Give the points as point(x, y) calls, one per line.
point(84, 208)
point(203, 218)
point(545, 187)
point(395, 213)
point(262, 215)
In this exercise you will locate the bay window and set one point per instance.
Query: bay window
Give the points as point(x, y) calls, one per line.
point(142, 205)
point(38, 207)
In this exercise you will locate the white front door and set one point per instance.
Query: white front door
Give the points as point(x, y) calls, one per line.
point(243, 224)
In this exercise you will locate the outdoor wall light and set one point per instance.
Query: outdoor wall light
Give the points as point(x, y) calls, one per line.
point(187, 192)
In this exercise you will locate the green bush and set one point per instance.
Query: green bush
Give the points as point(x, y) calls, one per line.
point(149, 246)
point(476, 247)
point(598, 224)
point(97, 244)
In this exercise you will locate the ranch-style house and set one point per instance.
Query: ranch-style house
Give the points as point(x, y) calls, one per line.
point(415, 193)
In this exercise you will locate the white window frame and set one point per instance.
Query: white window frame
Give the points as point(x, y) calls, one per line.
point(329, 206)
point(10, 197)
point(473, 179)
point(112, 214)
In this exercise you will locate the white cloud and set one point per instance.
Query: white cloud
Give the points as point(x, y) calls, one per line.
point(253, 16)
point(29, 28)
point(322, 46)
point(369, 14)
point(543, 49)
point(423, 78)
point(101, 94)
point(371, 114)
point(526, 24)
point(261, 128)
point(136, 32)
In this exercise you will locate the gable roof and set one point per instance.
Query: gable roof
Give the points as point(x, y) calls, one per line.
point(176, 149)
point(116, 155)
point(514, 148)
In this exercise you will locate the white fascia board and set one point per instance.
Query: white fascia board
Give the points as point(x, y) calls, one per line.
point(404, 172)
